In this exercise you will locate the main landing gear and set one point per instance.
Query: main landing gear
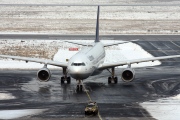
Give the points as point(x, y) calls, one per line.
point(65, 77)
point(112, 78)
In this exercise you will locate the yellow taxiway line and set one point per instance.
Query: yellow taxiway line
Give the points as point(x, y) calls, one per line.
point(90, 98)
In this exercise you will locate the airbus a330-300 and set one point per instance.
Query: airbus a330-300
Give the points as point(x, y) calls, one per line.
point(87, 62)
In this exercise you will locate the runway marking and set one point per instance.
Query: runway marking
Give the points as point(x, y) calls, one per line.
point(175, 44)
point(168, 46)
point(86, 91)
point(99, 116)
point(158, 48)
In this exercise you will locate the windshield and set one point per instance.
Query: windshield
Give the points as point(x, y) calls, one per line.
point(90, 105)
point(78, 64)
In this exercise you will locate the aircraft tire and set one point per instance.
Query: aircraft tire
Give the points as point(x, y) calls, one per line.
point(62, 80)
point(80, 88)
point(115, 80)
point(77, 88)
point(109, 80)
point(68, 80)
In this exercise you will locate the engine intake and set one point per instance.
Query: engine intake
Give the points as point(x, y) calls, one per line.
point(128, 75)
point(44, 74)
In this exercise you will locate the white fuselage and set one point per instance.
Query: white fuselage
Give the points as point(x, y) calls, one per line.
point(85, 63)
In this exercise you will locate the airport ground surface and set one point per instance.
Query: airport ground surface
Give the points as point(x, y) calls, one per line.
point(90, 37)
point(115, 101)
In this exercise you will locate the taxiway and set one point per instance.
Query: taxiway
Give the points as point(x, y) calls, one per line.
point(115, 101)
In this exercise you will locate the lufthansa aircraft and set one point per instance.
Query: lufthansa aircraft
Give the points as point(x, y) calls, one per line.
point(88, 61)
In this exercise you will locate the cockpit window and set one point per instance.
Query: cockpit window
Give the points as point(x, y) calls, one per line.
point(78, 64)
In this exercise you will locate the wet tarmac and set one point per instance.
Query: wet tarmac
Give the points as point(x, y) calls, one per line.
point(116, 101)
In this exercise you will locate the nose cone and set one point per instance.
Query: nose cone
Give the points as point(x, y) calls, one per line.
point(75, 70)
point(78, 73)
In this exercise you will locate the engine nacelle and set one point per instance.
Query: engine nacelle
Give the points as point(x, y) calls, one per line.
point(44, 74)
point(128, 75)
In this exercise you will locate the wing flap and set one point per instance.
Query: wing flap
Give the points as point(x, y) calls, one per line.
point(78, 43)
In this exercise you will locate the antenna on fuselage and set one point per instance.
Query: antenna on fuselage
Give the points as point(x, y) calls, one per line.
point(97, 26)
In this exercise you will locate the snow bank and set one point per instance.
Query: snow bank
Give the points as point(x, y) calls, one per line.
point(164, 109)
point(94, 2)
point(82, 20)
point(13, 114)
point(6, 96)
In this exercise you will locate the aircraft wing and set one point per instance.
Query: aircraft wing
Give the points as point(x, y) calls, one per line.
point(110, 65)
point(37, 60)
point(117, 43)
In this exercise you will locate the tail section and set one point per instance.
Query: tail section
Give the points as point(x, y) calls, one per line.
point(97, 26)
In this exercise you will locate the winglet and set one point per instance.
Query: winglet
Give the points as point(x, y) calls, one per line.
point(97, 26)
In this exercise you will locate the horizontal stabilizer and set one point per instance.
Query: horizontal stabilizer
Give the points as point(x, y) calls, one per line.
point(79, 43)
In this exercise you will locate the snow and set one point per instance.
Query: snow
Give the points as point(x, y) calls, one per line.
point(82, 20)
point(6, 96)
point(89, 13)
point(92, 2)
point(168, 108)
point(127, 51)
point(13, 114)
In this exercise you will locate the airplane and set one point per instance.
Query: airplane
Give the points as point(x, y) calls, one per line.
point(87, 62)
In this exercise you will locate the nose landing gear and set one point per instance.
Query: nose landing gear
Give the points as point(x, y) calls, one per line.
point(79, 87)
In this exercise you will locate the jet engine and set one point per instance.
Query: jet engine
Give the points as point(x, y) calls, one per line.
point(128, 75)
point(44, 74)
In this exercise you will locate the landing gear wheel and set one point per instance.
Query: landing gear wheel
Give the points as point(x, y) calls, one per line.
point(62, 80)
point(115, 80)
point(80, 88)
point(68, 80)
point(109, 80)
point(77, 88)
